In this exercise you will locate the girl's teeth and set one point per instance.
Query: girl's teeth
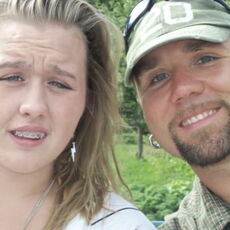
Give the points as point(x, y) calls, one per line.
point(198, 117)
point(29, 135)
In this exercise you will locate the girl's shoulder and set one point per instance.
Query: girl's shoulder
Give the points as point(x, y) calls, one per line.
point(117, 213)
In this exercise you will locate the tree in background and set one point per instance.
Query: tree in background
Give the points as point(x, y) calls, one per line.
point(130, 110)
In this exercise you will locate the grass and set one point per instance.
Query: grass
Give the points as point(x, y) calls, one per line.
point(158, 181)
point(132, 169)
point(157, 166)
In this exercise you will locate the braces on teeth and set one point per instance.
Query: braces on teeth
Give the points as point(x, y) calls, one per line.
point(30, 135)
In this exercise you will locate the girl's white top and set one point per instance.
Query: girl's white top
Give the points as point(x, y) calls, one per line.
point(117, 214)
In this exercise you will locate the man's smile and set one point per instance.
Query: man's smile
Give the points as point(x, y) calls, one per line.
point(196, 118)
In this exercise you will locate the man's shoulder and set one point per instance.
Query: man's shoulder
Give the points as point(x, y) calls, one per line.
point(200, 209)
point(184, 218)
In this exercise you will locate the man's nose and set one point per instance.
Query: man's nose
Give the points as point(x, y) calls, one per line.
point(185, 85)
point(34, 102)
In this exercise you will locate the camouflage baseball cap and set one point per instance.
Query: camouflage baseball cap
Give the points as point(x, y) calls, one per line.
point(174, 20)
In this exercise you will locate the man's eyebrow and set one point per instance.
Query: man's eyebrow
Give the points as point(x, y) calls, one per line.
point(142, 67)
point(60, 71)
point(14, 64)
point(197, 45)
point(193, 46)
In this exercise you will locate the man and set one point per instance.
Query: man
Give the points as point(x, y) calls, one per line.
point(179, 61)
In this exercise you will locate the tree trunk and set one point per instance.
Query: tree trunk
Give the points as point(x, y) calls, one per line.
point(139, 142)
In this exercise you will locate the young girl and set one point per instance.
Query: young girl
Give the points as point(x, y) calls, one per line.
point(58, 114)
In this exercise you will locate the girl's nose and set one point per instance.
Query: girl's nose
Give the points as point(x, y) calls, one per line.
point(34, 102)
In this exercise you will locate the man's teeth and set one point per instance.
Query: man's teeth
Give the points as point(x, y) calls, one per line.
point(29, 135)
point(198, 117)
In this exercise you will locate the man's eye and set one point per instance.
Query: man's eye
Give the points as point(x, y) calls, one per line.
point(12, 78)
point(159, 77)
point(206, 59)
point(59, 85)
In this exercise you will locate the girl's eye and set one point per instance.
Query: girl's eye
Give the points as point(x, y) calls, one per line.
point(12, 78)
point(59, 85)
point(206, 59)
point(159, 77)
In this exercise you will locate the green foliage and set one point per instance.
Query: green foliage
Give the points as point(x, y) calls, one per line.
point(168, 167)
point(157, 201)
point(135, 171)
point(158, 182)
point(118, 11)
point(129, 136)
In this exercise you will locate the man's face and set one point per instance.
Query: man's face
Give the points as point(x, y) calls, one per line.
point(183, 88)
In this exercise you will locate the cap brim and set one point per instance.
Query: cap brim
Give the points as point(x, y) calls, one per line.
point(199, 32)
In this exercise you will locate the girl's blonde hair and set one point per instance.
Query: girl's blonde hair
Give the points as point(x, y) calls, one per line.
point(84, 183)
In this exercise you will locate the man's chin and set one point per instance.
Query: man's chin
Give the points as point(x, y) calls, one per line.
point(204, 149)
point(205, 145)
point(205, 154)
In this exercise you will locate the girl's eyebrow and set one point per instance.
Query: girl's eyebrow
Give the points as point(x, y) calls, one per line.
point(14, 64)
point(62, 72)
point(24, 65)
